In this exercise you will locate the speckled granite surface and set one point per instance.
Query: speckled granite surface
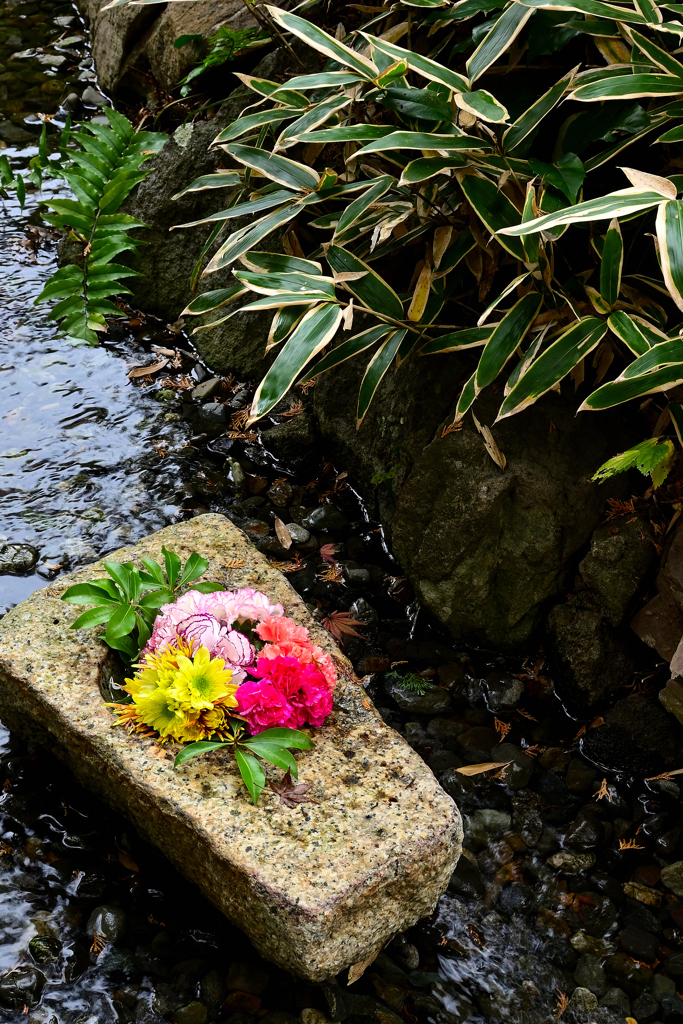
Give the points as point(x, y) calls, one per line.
point(316, 889)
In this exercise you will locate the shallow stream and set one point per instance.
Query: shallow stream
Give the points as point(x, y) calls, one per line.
point(557, 909)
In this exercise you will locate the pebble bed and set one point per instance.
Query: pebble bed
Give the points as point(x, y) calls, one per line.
point(568, 900)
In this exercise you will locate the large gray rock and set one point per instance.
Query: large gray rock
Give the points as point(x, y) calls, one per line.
point(133, 46)
point(595, 658)
point(487, 550)
point(315, 891)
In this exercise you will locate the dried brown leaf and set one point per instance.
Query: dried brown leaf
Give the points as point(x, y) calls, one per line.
point(485, 766)
point(341, 624)
point(358, 970)
point(290, 794)
point(283, 534)
point(146, 371)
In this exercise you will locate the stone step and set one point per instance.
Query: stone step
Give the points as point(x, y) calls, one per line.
point(316, 889)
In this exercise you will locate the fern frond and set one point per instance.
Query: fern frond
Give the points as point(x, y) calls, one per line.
point(102, 172)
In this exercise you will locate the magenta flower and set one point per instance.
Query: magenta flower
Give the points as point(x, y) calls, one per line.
point(286, 693)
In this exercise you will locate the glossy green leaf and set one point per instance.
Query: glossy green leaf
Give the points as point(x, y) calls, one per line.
point(240, 242)
point(252, 774)
point(567, 174)
point(667, 353)
point(323, 43)
point(277, 168)
point(250, 123)
point(349, 133)
point(670, 237)
point(273, 752)
point(625, 87)
point(483, 105)
point(214, 299)
point(424, 66)
point(311, 120)
point(314, 332)
point(121, 623)
point(467, 397)
point(426, 167)
point(350, 348)
point(617, 204)
point(495, 210)
point(553, 364)
point(423, 141)
point(377, 367)
point(625, 390)
point(94, 617)
point(377, 188)
point(372, 290)
point(611, 264)
point(505, 338)
point(501, 36)
point(628, 331)
point(279, 263)
point(457, 341)
point(594, 8)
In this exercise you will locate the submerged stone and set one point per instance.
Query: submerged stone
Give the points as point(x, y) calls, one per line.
point(317, 889)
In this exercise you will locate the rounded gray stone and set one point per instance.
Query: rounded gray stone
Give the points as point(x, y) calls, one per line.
point(17, 558)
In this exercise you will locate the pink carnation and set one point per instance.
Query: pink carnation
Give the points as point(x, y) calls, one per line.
point(265, 707)
point(275, 630)
point(286, 693)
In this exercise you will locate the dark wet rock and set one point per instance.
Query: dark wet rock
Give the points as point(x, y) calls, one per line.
point(432, 701)
point(478, 741)
point(629, 974)
point(674, 965)
point(671, 698)
point(325, 519)
point(639, 944)
point(644, 1008)
point(165, 999)
point(492, 821)
point(405, 952)
point(355, 575)
point(292, 443)
point(14, 134)
point(21, 987)
point(572, 863)
point(519, 772)
point(582, 1004)
point(598, 914)
point(587, 832)
point(662, 986)
point(364, 612)
point(194, 1013)
point(467, 880)
point(591, 660)
point(620, 557)
point(660, 625)
point(94, 98)
point(246, 976)
point(108, 921)
point(672, 1009)
point(458, 525)
point(616, 999)
point(45, 949)
point(517, 898)
point(579, 775)
point(17, 558)
point(589, 974)
point(638, 737)
point(502, 692)
point(213, 414)
point(672, 878)
point(207, 389)
point(298, 534)
point(336, 999)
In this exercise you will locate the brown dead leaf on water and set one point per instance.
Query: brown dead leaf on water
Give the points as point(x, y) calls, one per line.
point(146, 371)
point(99, 941)
point(283, 534)
point(603, 792)
point(127, 861)
point(485, 766)
point(665, 775)
point(562, 1003)
point(502, 728)
point(490, 444)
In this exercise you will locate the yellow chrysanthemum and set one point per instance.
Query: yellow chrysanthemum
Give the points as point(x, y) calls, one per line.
point(160, 711)
point(199, 683)
point(158, 669)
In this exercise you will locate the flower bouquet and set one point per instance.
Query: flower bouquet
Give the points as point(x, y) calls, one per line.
point(212, 668)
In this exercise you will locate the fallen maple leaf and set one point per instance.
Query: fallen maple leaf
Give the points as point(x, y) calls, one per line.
point(341, 624)
point(291, 795)
point(283, 534)
point(327, 552)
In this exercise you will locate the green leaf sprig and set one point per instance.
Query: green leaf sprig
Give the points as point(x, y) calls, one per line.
point(129, 600)
point(272, 745)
